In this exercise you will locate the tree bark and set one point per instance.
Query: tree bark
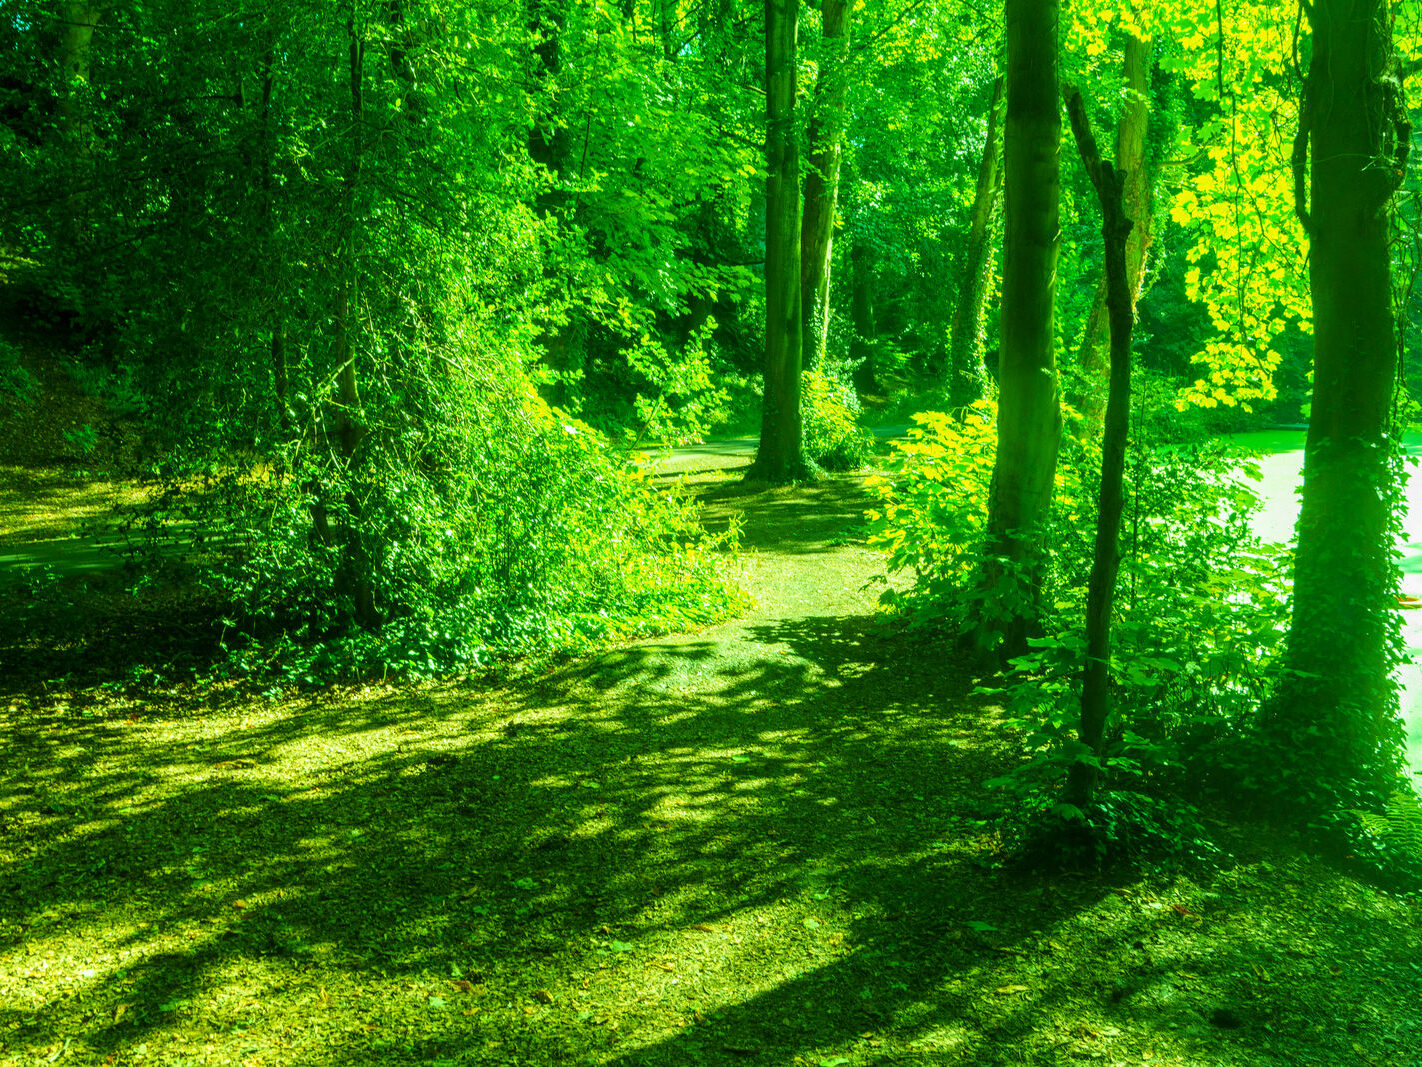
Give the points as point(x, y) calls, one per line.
point(1029, 411)
point(1131, 134)
point(1101, 589)
point(826, 136)
point(780, 457)
point(1338, 714)
point(965, 357)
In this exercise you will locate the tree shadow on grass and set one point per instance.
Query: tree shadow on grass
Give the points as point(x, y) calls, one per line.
point(606, 866)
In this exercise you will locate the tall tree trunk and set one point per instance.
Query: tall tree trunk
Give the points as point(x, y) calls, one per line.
point(1029, 412)
point(1337, 711)
point(965, 357)
point(75, 126)
point(1131, 133)
point(781, 457)
point(1105, 564)
point(826, 136)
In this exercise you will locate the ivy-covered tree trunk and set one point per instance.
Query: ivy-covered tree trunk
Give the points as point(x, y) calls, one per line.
point(1337, 711)
point(965, 357)
point(1029, 412)
point(1131, 133)
point(780, 457)
point(826, 136)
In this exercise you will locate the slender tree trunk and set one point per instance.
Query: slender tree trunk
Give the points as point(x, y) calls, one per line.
point(548, 141)
point(861, 317)
point(1338, 714)
point(281, 387)
point(965, 357)
point(1101, 589)
point(355, 576)
point(1029, 412)
point(780, 457)
point(1131, 135)
point(826, 137)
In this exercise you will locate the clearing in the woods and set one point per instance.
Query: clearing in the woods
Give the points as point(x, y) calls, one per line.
point(765, 843)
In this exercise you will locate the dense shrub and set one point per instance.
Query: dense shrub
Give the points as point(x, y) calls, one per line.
point(485, 524)
point(830, 416)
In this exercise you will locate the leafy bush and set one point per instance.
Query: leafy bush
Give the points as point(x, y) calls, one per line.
point(932, 512)
point(829, 414)
point(485, 525)
point(1200, 614)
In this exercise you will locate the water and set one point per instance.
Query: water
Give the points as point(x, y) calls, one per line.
point(1281, 465)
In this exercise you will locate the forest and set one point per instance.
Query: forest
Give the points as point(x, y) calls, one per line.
point(642, 532)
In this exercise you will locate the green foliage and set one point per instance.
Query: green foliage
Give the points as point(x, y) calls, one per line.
point(81, 440)
point(1201, 607)
point(932, 512)
point(1399, 825)
point(1201, 611)
point(829, 414)
point(507, 531)
point(115, 386)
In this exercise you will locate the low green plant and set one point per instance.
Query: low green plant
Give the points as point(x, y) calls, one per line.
point(17, 385)
point(115, 386)
point(81, 440)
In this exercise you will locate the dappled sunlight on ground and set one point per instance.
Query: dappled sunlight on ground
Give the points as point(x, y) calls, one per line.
point(762, 844)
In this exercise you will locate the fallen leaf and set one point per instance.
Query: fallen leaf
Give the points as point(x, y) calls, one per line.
point(543, 996)
point(463, 986)
point(1008, 990)
point(239, 904)
point(704, 928)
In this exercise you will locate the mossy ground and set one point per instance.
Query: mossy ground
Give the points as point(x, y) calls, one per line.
point(760, 844)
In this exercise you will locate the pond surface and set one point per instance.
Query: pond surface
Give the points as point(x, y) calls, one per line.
point(1281, 465)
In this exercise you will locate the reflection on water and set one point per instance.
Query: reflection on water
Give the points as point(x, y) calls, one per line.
point(1281, 471)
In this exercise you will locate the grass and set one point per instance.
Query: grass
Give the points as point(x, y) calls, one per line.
point(764, 844)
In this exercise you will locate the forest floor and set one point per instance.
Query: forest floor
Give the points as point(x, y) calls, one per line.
point(761, 844)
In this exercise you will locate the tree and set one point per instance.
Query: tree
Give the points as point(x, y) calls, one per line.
point(1132, 130)
point(1337, 710)
point(825, 138)
point(1029, 412)
point(965, 358)
point(1110, 184)
point(780, 457)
